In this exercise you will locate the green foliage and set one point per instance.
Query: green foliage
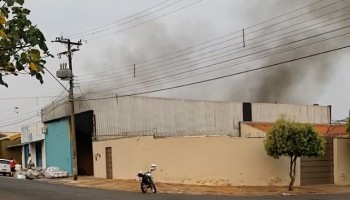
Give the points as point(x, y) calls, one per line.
point(289, 138)
point(348, 125)
point(293, 139)
point(22, 45)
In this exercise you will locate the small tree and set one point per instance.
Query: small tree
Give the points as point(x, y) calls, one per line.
point(293, 139)
point(22, 45)
point(348, 125)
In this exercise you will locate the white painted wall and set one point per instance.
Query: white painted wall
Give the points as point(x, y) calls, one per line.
point(31, 134)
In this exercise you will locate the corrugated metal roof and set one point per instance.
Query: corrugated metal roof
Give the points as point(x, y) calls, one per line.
point(10, 136)
point(323, 129)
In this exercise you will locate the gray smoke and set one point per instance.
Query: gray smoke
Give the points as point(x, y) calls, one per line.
point(295, 82)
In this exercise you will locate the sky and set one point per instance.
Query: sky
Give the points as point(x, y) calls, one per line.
point(127, 32)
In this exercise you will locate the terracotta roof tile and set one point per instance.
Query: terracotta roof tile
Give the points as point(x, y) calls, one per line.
point(323, 129)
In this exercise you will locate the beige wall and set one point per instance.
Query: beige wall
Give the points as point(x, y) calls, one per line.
point(341, 161)
point(194, 160)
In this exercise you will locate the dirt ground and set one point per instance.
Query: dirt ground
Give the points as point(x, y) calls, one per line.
point(134, 186)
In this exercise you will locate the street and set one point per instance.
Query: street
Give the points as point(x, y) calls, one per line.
point(15, 189)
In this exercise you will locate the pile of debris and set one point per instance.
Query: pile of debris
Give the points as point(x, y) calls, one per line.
point(37, 172)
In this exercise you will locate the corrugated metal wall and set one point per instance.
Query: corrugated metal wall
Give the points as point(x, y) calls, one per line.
point(165, 117)
point(131, 116)
point(264, 112)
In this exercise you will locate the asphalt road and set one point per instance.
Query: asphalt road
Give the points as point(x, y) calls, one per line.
point(15, 189)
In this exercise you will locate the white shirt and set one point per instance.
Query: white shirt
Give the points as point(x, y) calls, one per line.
point(29, 160)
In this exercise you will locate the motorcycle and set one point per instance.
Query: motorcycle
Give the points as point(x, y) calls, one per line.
point(146, 180)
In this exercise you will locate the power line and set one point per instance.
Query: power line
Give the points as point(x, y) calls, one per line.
point(23, 109)
point(14, 98)
point(232, 33)
point(225, 76)
point(120, 20)
point(82, 94)
point(231, 65)
point(263, 22)
point(154, 19)
point(56, 79)
point(25, 105)
point(16, 123)
point(105, 80)
point(186, 67)
point(238, 63)
point(326, 6)
point(135, 19)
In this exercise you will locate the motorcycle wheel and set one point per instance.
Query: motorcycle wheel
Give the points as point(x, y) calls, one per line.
point(153, 188)
point(144, 187)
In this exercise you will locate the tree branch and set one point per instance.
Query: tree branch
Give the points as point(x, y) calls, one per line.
point(16, 47)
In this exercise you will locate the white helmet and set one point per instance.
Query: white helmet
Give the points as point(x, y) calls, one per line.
point(153, 167)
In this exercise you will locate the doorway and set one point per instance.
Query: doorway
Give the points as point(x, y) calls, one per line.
point(109, 163)
point(84, 132)
point(319, 170)
point(26, 155)
point(39, 154)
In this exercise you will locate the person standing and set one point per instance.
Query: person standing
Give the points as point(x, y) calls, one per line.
point(13, 166)
point(30, 163)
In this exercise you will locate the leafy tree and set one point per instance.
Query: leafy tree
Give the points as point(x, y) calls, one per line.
point(288, 138)
point(348, 125)
point(22, 45)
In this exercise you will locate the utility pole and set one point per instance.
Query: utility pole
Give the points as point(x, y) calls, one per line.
point(68, 74)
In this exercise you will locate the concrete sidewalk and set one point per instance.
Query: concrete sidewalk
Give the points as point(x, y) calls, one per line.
point(134, 186)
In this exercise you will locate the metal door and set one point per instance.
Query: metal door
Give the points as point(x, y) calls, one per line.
point(26, 154)
point(39, 158)
point(109, 164)
point(319, 170)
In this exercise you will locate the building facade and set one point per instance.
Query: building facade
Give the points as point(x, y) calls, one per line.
point(133, 116)
point(10, 146)
point(33, 141)
point(172, 132)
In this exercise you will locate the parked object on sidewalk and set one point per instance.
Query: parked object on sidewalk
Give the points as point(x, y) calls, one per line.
point(21, 174)
point(55, 172)
point(18, 167)
point(146, 180)
point(5, 167)
point(34, 173)
point(30, 174)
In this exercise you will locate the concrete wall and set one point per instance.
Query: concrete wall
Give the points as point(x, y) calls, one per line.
point(58, 146)
point(14, 152)
point(32, 132)
point(217, 160)
point(341, 161)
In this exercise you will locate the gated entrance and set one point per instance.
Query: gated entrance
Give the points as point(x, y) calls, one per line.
point(319, 170)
